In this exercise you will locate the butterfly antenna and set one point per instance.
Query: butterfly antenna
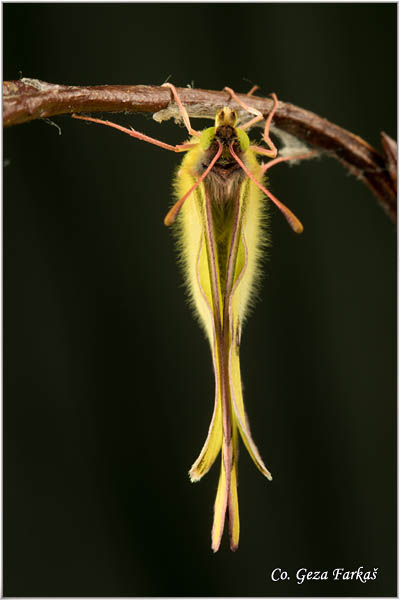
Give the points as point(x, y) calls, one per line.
point(293, 221)
point(174, 211)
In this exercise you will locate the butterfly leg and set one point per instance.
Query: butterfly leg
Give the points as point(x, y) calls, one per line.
point(272, 163)
point(136, 134)
point(272, 152)
point(258, 114)
point(182, 109)
point(253, 89)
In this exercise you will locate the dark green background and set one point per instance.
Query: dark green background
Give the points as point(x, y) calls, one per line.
point(108, 384)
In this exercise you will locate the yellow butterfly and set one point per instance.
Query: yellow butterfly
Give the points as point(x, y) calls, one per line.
point(219, 217)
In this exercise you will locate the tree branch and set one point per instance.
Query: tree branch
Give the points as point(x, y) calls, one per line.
point(28, 99)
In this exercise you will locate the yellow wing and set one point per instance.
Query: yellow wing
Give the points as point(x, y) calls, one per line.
point(220, 245)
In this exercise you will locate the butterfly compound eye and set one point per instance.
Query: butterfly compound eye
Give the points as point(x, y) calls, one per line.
point(207, 137)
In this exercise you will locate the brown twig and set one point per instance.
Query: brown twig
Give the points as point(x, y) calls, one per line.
point(29, 99)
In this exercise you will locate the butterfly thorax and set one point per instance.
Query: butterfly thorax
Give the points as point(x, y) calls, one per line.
point(226, 175)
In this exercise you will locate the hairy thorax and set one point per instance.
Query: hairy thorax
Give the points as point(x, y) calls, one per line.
point(224, 179)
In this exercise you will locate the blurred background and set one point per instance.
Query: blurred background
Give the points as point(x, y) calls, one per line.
point(108, 383)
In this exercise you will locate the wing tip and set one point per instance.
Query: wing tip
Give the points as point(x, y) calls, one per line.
point(195, 475)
